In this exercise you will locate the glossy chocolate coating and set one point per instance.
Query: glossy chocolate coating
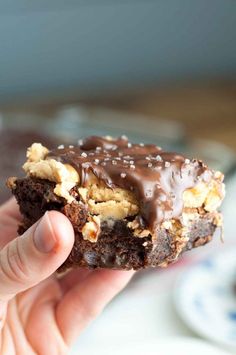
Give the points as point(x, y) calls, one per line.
point(157, 178)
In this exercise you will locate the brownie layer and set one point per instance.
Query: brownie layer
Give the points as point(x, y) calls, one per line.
point(117, 247)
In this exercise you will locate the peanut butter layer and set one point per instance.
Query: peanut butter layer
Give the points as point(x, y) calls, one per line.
point(118, 179)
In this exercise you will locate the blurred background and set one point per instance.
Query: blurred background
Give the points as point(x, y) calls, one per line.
point(159, 71)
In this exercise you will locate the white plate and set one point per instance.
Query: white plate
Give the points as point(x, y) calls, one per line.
point(205, 298)
point(167, 346)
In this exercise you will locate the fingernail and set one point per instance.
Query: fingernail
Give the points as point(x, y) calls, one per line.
point(44, 238)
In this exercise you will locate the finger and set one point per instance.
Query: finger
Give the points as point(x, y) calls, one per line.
point(3, 313)
point(72, 278)
point(10, 208)
point(86, 300)
point(9, 221)
point(35, 255)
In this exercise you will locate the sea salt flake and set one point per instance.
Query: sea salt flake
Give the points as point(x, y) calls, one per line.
point(187, 161)
point(158, 158)
point(61, 146)
point(167, 164)
point(71, 146)
point(123, 175)
point(149, 165)
point(162, 197)
point(132, 166)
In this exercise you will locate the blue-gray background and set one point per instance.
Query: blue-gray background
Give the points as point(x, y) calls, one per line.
point(94, 45)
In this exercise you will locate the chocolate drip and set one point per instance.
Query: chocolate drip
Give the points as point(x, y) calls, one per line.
point(157, 178)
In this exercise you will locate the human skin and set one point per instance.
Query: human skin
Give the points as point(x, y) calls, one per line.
point(41, 313)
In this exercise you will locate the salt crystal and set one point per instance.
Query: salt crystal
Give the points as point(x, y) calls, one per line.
point(187, 161)
point(149, 165)
point(84, 155)
point(123, 175)
point(167, 164)
point(61, 146)
point(71, 146)
point(162, 197)
point(158, 158)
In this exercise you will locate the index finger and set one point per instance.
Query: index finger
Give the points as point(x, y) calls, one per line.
point(86, 300)
point(9, 221)
point(10, 208)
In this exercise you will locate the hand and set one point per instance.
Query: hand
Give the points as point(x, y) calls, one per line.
point(39, 312)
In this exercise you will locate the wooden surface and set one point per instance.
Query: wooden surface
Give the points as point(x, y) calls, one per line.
point(207, 110)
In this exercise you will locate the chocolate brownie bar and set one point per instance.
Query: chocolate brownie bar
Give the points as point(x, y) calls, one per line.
point(132, 206)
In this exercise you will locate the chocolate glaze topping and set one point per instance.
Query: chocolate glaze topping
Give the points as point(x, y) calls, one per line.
point(157, 178)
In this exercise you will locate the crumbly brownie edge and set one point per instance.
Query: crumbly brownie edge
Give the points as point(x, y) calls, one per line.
point(116, 247)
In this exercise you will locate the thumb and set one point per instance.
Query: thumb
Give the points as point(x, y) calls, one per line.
point(35, 255)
